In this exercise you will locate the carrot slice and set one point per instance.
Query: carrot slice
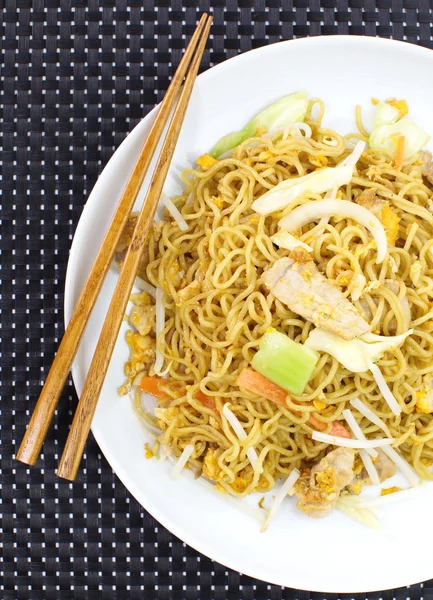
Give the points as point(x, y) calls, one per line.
point(399, 151)
point(260, 385)
point(339, 430)
point(207, 401)
point(151, 385)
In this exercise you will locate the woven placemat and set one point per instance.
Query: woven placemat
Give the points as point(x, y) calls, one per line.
point(76, 76)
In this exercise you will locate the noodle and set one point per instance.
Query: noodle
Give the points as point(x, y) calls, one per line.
point(217, 308)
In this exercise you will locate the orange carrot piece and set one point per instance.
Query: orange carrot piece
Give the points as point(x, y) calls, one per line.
point(399, 151)
point(339, 430)
point(319, 425)
point(151, 385)
point(207, 401)
point(260, 385)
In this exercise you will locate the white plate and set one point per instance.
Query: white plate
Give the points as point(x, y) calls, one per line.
point(329, 555)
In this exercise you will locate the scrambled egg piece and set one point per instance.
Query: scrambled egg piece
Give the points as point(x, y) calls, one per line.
point(210, 467)
point(381, 209)
point(148, 451)
point(326, 480)
point(141, 352)
point(141, 299)
point(318, 161)
point(391, 490)
point(264, 155)
point(205, 161)
point(142, 318)
point(165, 416)
point(424, 396)
point(374, 172)
point(319, 404)
point(390, 221)
point(400, 105)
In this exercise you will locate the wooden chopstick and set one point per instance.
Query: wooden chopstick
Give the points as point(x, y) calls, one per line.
point(44, 410)
point(74, 447)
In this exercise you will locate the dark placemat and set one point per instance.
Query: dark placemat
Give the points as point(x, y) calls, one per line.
point(76, 76)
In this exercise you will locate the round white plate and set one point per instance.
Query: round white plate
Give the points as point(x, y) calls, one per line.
point(334, 554)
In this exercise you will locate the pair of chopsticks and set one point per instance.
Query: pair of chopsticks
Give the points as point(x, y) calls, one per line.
point(43, 413)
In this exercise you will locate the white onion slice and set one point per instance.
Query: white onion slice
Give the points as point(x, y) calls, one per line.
point(350, 442)
point(159, 327)
point(356, 430)
point(288, 190)
point(145, 287)
point(369, 414)
point(173, 210)
point(358, 284)
point(330, 194)
point(314, 211)
point(183, 459)
point(410, 474)
point(352, 159)
point(280, 495)
point(240, 432)
point(388, 396)
point(284, 239)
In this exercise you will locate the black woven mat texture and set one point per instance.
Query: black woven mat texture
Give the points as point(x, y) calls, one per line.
point(76, 76)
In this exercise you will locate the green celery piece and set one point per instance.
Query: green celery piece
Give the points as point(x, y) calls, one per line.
point(285, 362)
point(229, 141)
point(278, 115)
point(290, 109)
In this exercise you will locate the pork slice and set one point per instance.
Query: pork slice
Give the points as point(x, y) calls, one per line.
point(297, 282)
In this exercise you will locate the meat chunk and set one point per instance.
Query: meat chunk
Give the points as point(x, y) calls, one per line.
point(385, 469)
point(319, 489)
point(297, 282)
point(369, 200)
point(427, 166)
point(384, 466)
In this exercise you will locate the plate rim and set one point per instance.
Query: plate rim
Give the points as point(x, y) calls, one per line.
point(202, 547)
